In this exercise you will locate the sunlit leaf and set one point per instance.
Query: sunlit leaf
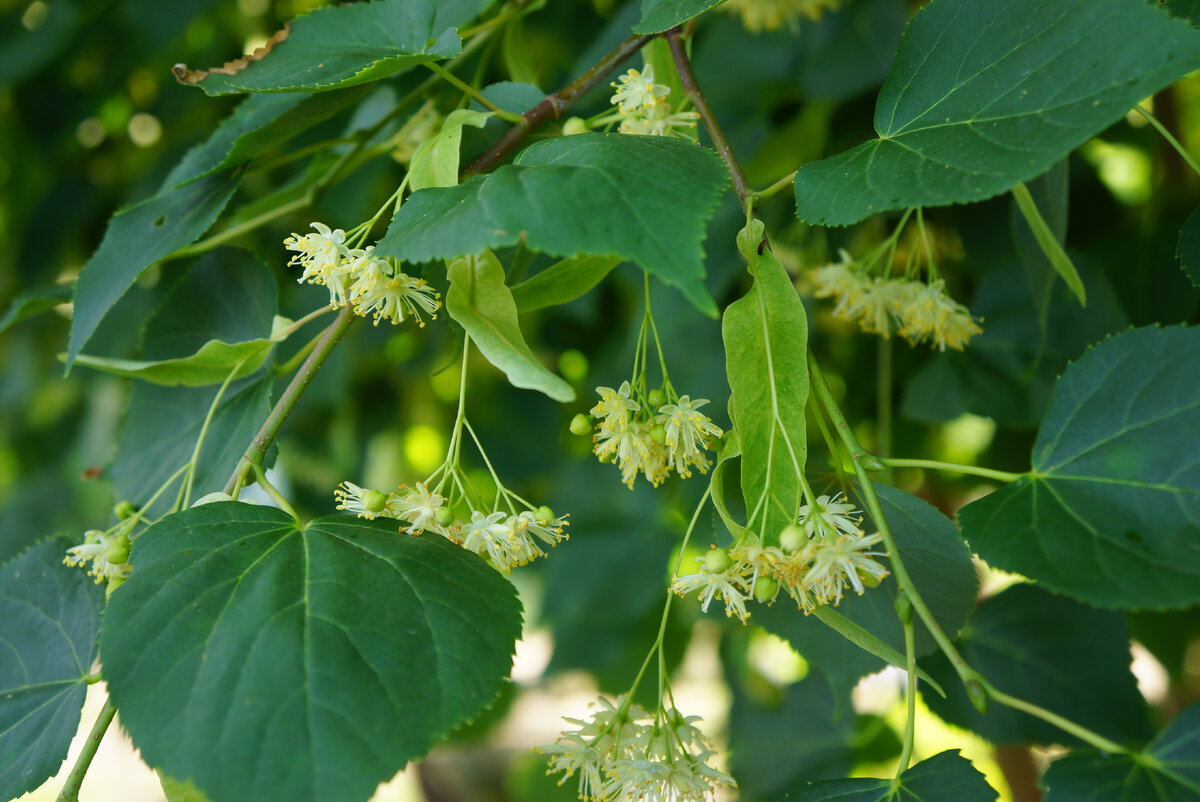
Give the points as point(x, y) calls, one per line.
point(945, 777)
point(661, 15)
point(435, 161)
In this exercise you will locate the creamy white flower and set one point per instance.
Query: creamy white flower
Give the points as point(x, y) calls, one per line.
point(838, 561)
point(390, 297)
point(726, 585)
point(828, 516)
point(493, 537)
point(637, 90)
point(616, 408)
point(97, 549)
point(363, 502)
point(319, 253)
point(689, 433)
point(630, 448)
point(419, 507)
point(550, 532)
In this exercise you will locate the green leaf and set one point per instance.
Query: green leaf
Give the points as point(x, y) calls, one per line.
point(268, 660)
point(766, 361)
point(642, 198)
point(212, 364)
point(945, 777)
point(257, 126)
point(435, 161)
point(1188, 251)
point(335, 47)
point(1049, 242)
point(869, 643)
point(777, 743)
point(976, 104)
point(480, 302)
point(938, 563)
point(1168, 770)
point(662, 15)
point(516, 54)
point(176, 791)
point(49, 622)
point(1051, 651)
point(1185, 9)
point(731, 448)
point(137, 237)
point(563, 281)
point(34, 302)
point(1108, 514)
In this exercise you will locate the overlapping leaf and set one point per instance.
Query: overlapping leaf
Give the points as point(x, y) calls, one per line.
point(479, 300)
point(645, 199)
point(976, 103)
point(945, 777)
point(766, 361)
point(1051, 651)
point(563, 281)
point(338, 46)
point(1168, 770)
point(265, 659)
point(1110, 510)
point(662, 15)
point(49, 623)
point(33, 302)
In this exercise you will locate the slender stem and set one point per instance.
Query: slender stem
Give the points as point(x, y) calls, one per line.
point(883, 402)
point(132, 520)
point(775, 188)
point(270, 428)
point(1064, 724)
point(471, 92)
point(910, 723)
point(260, 476)
point(827, 436)
point(299, 356)
point(555, 105)
point(1162, 129)
point(212, 411)
point(688, 79)
point(988, 473)
point(70, 791)
point(821, 387)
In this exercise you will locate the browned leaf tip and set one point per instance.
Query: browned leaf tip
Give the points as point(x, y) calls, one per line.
point(186, 76)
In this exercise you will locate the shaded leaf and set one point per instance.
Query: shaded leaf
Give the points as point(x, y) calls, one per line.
point(1108, 513)
point(1051, 651)
point(212, 364)
point(34, 302)
point(137, 237)
point(49, 623)
point(1185, 9)
point(975, 104)
point(766, 361)
point(661, 15)
point(1048, 242)
point(563, 281)
point(435, 161)
point(479, 301)
point(645, 199)
point(850, 50)
point(1188, 251)
point(337, 46)
point(1168, 770)
point(265, 659)
point(945, 777)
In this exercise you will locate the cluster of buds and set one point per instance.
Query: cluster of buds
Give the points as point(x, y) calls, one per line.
point(649, 433)
point(621, 752)
point(816, 560)
point(915, 310)
point(106, 553)
point(504, 539)
point(356, 277)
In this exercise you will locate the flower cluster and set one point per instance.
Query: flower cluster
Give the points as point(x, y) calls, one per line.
point(108, 553)
point(644, 108)
point(815, 561)
point(914, 309)
point(357, 278)
point(647, 435)
point(623, 753)
point(771, 15)
point(503, 539)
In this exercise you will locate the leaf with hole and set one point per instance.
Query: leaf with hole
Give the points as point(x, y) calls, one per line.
point(265, 659)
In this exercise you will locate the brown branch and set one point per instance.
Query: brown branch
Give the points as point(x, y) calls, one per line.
point(555, 105)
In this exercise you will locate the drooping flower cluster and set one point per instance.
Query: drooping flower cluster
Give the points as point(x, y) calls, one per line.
point(647, 435)
point(622, 752)
point(505, 539)
point(644, 109)
point(107, 553)
point(915, 310)
point(816, 560)
point(356, 277)
point(771, 15)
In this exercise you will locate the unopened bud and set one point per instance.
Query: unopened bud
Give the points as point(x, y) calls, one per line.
point(575, 125)
point(581, 424)
point(792, 538)
point(444, 516)
point(124, 509)
point(656, 398)
point(374, 501)
point(118, 551)
point(716, 561)
point(765, 589)
point(658, 434)
point(544, 515)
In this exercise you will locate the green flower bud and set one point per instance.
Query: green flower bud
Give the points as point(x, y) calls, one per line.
point(871, 581)
point(716, 561)
point(656, 398)
point(544, 515)
point(658, 434)
point(792, 538)
point(581, 424)
point(765, 589)
point(374, 501)
point(118, 552)
point(444, 516)
point(575, 125)
point(124, 509)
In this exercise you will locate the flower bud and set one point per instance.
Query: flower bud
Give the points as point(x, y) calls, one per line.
point(544, 515)
point(656, 398)
point(444, 516)
point(716, 561)
point(871, 581)
point(658, 434)
point(575, 125)
point(124, 509)
point(374, 501)
point(118, 551)
point(792, 538)
point(581, 424)
point(765, 589)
